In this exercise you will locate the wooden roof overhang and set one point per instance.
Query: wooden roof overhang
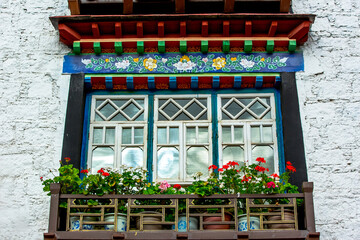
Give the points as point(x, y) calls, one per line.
point(101, 34)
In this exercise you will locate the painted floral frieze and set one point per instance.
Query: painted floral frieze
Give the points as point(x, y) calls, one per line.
point(184, 63)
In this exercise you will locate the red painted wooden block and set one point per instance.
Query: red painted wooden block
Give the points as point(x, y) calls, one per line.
point(139, 29)
point(182, 29)
point(273, 28)
point(118, 30)
point(204, 28)
point(95, 30)
point(248, 28)
point(161, 29)
point(226, 28)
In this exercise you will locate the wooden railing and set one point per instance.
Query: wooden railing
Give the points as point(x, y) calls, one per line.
point(247, 216)
point(179, 5)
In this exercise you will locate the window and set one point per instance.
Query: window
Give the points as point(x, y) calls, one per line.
point(181, 134)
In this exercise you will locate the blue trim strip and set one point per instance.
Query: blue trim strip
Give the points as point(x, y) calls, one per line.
point(277, 82)
point(237, 82)
point(151, 82)
point(214, 126)
point(150, 142)
point(88, 82)
point(259, 81)
point(129, 83)
point(279, 132)
point(172, 83)
point(216, 82)
point(109, 83)
point(194, 82)
point(86, 130)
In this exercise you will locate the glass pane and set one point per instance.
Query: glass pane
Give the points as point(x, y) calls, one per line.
point(267, 134)
point(203, 135)
point(182, 116)
point(174, 135)
point(161, 136)
point(98, 135)
point(258, 108)
point(170, 109)
point(119, 117)
point(138, 135)
point(245, 101)
point(194, 109)
point(266, 152)
point(246, 115)
point(267, 115)
point(197, 161)
point(190, 135)
point(255, 134)
point(238, 135)
point(102, 157)
point(98, 118)
point(131, 110)
point(107, 110)
point(126, 136)
point(132, 157)
point(226, 134)
point(168, 163)
point(266, 100)
point(119, 102)
point(110, 136)
point(98, 103)
point(233, 154)
point(233, 108)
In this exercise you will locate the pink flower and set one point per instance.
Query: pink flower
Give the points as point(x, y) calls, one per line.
point(164, 185)
point(271, 185)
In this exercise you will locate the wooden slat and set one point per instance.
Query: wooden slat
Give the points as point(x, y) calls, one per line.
point(248, 28)
point(179, 6)
point(161, 29)
point(300, 31)
point(204, 28)
point(285, 6)
point(95, 30)
point(229, 6)
point(273, 28)
point(226, 28)
point(68, 33)
point(183, 29)
point(118, 30)
point(128, 7)
point(74, 6)
point(139, 29)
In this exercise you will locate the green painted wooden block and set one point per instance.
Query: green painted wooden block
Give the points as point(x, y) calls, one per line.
point(140, 47)
point(270, 45)
point(204, 46)
point(247, 46)
point(226, 46)
point(183, 47)
point(97, 47)
point(76, 47)
point(161, 46)
point(292, 45)
point(118, 47)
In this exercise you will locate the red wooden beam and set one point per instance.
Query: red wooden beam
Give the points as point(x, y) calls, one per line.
point(95, 30)
point(68, 33)
point(300, 31)
point(139, 29)
point(161, 29)
point(226, 28)
point(272, 29)
point(204, 28)
point(118, 30)
point(248, 28)
point(128, 7)
point(229, 6)
point(179, 6)
point(183, 29)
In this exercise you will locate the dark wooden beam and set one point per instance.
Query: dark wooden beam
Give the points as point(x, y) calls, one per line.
point(74, 6)
point(73, 131)
point(95, 30)
point(229, 6)
point(285, 6)
point(179, 6)
point(292, 130)
point(128, 7)
point(273, 28)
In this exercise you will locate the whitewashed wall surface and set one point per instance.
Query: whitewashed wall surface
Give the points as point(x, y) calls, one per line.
point(33, 96)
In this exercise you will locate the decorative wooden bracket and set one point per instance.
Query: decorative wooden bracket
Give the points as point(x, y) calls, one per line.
point(182, 236)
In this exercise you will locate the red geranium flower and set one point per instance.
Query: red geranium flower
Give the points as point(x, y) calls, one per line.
point(177, 186)
point(105, 174)
point(84, 171)
point(288, 163)
point(212, 167)
point(41, 178)
point(245, 179)
point(67, 159)
point(291, 168)
point(260, 169)
point(260, 159)
point(275, 175)
point(225, 166)
point(101, 170)
point(221, 170)
point(232, 163)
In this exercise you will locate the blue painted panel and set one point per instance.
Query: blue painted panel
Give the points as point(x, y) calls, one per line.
point(237, 82)
point(172, 83)
point(189, 63)
point(108, 83)
point(130, 83)
point(151, 82)
point(194, 82)
point(259, 82)
point(216, 82)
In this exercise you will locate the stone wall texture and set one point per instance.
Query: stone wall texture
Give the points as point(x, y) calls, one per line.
point(33, 97)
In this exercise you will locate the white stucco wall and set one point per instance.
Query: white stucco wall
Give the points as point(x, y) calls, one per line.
point(33, 96)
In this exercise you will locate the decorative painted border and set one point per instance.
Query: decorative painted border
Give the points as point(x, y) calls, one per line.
point(172, 63)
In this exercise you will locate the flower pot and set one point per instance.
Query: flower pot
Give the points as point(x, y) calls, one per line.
point(243, 225)
point(288, 215)
point(149, 219)
point(217, 219)
point(182, 223)
point(75, 223)
point(121, 222)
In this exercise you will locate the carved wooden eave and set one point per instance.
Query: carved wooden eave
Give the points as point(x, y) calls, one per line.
point(279, 30)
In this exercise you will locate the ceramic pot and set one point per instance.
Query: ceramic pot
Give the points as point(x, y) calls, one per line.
point(75, 223)
point(182, 224)
point(288, 215)
point(121, 222)
point(149, 219)
point(243, 225)
point(217, 219)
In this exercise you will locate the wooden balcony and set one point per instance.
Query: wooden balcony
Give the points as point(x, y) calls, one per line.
point(167, 212)
point(115, 7)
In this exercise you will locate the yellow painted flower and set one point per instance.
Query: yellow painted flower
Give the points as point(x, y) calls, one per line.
point(219, 63)
point(150, 64)
point(184, 58)
point(233, 59)
point(107, 60)
point(136, 59)
point(263, 59)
